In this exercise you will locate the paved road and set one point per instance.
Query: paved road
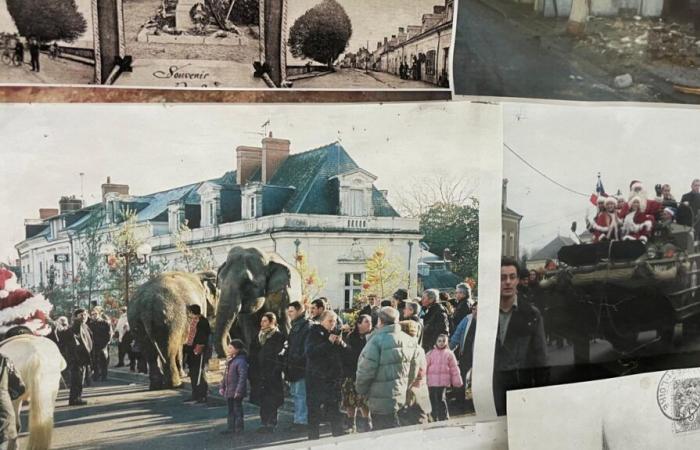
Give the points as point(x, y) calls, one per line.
point(123, 413)
point(495, 58)
point(357, 79)
point(59, 71)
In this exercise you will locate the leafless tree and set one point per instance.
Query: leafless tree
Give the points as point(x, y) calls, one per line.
point(423, 193)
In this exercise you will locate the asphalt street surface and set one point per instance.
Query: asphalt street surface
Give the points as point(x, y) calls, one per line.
point(493, 57)
point(122, 413)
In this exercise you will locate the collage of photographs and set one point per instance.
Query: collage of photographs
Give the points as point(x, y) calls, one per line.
point(186, 264)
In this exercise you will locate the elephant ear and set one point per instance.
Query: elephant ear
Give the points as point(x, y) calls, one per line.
point(278, 275)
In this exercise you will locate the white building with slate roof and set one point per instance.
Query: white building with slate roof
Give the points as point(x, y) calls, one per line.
point(319, 202)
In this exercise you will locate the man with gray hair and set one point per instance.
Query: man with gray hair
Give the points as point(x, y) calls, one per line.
point(462, 302)
point(435, 320)
point(383, 370)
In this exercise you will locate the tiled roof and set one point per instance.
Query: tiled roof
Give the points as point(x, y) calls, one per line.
point(310, 172)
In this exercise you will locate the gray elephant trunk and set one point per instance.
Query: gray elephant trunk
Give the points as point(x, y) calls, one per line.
point(225, 316)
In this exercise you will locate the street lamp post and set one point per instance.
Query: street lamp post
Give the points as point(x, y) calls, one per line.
point(129, 254)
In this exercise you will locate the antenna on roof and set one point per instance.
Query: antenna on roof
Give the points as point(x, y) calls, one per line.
point(265, 127)
point(82, 192)
point(340, 136)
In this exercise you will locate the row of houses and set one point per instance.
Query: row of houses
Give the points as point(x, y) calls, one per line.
point(562, 8)
point(423, 48)
point(317, 202)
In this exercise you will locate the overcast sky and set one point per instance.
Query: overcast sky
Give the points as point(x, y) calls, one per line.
point(372, 19)
point(8, 25)
point(157, 147)
point(571, 144)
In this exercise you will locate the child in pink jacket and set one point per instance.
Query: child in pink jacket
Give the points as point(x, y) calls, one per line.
point(443, 372)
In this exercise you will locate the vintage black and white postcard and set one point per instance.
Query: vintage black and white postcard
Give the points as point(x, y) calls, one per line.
point(228, 44)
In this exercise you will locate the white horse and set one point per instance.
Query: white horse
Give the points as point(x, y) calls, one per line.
point(39, 363)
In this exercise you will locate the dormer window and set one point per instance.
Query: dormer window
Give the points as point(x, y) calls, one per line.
point(355, 193)
point(210, 204)
point(55, 226)
point(251, 206)
point(176, 217)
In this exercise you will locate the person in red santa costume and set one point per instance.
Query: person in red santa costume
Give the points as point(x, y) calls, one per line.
point(647, 206)
point(637, 224)
point(608, 224)
point(21, 307)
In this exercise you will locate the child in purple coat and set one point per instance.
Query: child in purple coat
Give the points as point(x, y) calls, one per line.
point(233, 386)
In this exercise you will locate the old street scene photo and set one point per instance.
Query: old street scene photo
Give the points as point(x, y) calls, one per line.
point(589, 50)
point(46, 42)
point(600, 244)
point(362, 44)
point(186, 43)
point(142, 255)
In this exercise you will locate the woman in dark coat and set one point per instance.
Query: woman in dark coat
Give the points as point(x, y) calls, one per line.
point(265, 373)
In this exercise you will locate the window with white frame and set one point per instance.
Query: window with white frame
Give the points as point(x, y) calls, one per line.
point(353, 286)
point(356, 206)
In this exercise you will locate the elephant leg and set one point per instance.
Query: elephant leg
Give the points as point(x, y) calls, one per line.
point(155, 372)
point(173, 366)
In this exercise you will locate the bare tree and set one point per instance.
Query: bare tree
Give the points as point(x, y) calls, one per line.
point(424, 193)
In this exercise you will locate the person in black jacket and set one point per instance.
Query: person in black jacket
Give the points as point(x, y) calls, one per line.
point(324, 374)
point(195, 353)
point(296, 361)
point(267, 354)
point(351, 400)
point(78, 350)
point(435, 320)
point(462, 308)
point(11, 387)
point(101, 335)
point(520, 360)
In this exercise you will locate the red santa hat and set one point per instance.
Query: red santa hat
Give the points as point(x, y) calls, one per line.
point(21, 307)
point(636, 183)
point(8, 282)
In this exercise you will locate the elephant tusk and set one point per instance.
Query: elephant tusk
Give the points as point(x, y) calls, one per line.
point(249, 274)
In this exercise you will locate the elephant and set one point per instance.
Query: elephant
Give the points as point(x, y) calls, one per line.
point(157, 316)
point(253, 282)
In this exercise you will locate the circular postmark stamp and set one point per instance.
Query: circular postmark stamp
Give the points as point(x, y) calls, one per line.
point(678, 393)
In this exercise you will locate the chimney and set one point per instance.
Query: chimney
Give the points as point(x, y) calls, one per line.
point(109, 187)
point(248, 161)
point(401, 30)
point(45, 213)
point(504, 199)
point(67, 204)
point(274, 153)
point(439, 9)
point(386, 40)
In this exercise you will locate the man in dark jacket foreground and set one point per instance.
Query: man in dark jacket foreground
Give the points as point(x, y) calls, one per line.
point(435, 320)
point(324, 374)
point(521, 349)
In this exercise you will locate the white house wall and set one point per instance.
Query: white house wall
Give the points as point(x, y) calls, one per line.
point(440, 43)
point(325, 252)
